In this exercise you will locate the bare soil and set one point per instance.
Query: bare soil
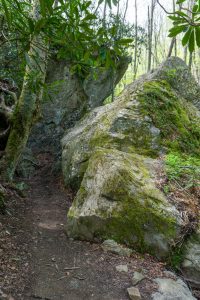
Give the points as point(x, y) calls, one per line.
point(38, 261)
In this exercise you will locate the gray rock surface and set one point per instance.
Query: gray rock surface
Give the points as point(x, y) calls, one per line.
point(111, 158)
point(99, 89)
point(99, 208)
point(67, 100)
point(191, 263)
point(176, 72)
point(122, 268)
point(137, 277)
point(169, 289)
point(113, 247)
point(134, 293)
point(178, 75)
point(28, 164)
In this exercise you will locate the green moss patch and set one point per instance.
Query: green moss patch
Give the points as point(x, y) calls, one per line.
point(183, 168)
point(180, 127)
point(126, 205)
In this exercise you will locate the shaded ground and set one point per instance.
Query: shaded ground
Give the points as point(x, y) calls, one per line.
point(38, 261)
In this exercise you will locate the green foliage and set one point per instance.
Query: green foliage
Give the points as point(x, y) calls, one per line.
point(184, 169)
point(11, 65)
point(73, 29)
point(188, 23)
point(109, 2)
point(21, 186)
point(176, 258)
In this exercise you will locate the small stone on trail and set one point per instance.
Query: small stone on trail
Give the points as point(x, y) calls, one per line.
point(137, 277)
point(134, 293)
point(122, 268)
point(114, 247)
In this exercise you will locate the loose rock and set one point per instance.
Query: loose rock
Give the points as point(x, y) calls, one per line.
point(134, 293)
point(114, 247)
point(122, 268)
point(137, 277)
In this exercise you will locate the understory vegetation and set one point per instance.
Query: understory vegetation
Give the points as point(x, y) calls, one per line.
point(183, 170)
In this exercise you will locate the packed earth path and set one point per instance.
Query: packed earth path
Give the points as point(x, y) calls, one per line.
point(44, 263)
point(63, 268)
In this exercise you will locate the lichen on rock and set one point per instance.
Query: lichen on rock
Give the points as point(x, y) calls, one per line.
point(111, 157)
point(191, 260)
point(118, 199)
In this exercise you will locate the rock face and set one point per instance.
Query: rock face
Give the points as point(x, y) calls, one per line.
point(191, 262)
point(111, 159)
point(68, 98)
point(113, 247)
point(118, 198)
point(176, 72)
point(172, 289)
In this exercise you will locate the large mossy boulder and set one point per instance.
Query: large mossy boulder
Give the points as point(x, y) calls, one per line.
point(118, 199)
point(112, 159)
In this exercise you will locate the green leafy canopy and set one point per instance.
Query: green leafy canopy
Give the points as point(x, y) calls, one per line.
point(187, 23)
point(74, 30)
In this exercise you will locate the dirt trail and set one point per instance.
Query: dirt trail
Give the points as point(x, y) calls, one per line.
point(94, 275)
point(42, 263)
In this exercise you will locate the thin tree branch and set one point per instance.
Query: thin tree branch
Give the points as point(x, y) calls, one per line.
point(189, 21)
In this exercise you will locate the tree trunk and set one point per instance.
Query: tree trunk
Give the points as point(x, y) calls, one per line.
point(136, 41)
point(185, 54)
point(104, 14)
point(27, 107)
point(191, 4)
point(190, 61)
point(173, 41)
point(173, 44)
point(118, 9)
point(150, 32)
point(125, 12)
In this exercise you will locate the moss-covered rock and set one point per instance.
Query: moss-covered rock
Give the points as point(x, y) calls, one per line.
point(176, 118)
point(69, 97)
point(118, 199)
point(177, 74)
point(110, 159)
